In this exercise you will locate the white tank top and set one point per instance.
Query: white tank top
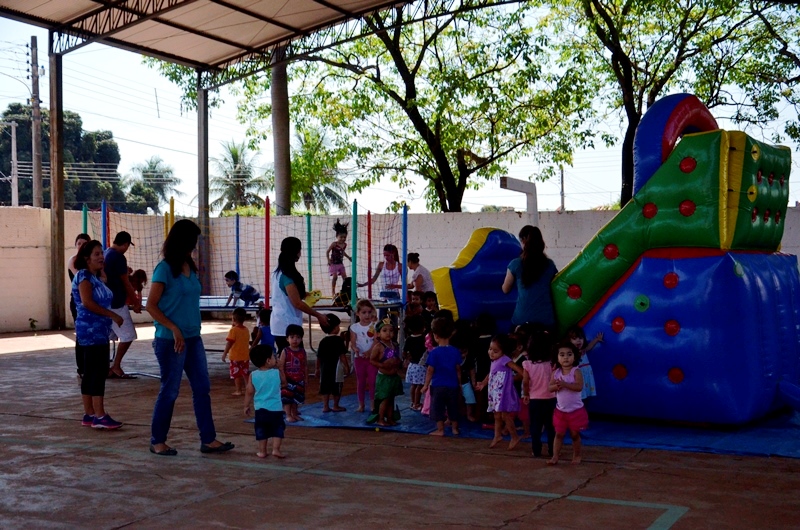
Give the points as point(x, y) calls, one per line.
point(283, 312)
point(391, 277)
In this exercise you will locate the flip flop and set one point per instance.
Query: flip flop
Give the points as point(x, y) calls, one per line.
point(227, 446)
point(166, 452)
point(114, 375)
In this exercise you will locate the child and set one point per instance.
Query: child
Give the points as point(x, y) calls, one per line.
point(570, 414)
point(362, 335)
point(336, 255)
point(237, 345)
point(431, 304)
point(293, 363)
point(413, 350)
point(503, 399)
point(240, 291)
point(416, 298)
point(443, 377)
point(331, 353)
point(461, 340)
point(262, 334)
point(430, 344)
point(541, 402)
point(138, 279)
point(522, 336)
point(385, 357)
point(264, 392)
point(577, 337)
point(485, 329)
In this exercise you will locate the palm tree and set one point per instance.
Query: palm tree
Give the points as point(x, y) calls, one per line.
point(159, 177)
point(317, 182)
point(234, 183)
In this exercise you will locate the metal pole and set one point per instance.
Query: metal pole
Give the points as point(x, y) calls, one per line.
point(236, 238)
point(266, 252)
point(354, 261)
point(14, 166)
point(58, 303)
point(404, 256)
point(85, 219)
point(369, 254)
point(308, 252)
point(171, 211)
point(562, 187)
point(204, 246)
point(104, 223)
point(36, 127)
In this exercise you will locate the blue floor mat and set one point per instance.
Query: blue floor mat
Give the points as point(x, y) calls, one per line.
point(775, 436)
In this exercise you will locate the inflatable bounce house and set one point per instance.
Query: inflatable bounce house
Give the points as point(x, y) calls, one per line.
point(699, 309)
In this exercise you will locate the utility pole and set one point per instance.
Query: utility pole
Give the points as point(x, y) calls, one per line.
point(562, 187)
point(14, 166)
point(36, 128)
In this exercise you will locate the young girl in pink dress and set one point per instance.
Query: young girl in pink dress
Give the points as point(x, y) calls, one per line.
point(570, 414)
point(503, 397)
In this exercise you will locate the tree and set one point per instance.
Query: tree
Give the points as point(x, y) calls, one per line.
point(643, 49)
point(234, 183)
point(159, 177)
point(317, 182)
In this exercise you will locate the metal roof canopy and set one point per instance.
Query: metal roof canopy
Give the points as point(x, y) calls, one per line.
point(224, 41)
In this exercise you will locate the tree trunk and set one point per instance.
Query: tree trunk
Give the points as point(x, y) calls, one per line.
point(626, 193)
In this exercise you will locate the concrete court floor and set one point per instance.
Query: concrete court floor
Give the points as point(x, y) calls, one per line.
point(56, 474)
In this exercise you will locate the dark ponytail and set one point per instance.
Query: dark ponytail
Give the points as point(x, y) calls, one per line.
point(290, 247)
point(534, 260)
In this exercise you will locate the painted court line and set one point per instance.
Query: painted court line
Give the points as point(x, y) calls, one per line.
point(671, 515)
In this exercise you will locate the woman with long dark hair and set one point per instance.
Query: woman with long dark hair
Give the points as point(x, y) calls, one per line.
point(174, 304)
point(392, 270)
point(532, 273)
point(288, 293)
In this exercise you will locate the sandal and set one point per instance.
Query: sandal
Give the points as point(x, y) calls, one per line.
point(170, 451)
point(227, 446)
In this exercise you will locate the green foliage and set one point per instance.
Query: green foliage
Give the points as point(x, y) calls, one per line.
point(244, 211)
point(234, 183)
point(153, 179)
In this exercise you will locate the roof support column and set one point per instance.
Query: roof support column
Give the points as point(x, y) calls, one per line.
point(279, 89)
point(204, 247)
point(58, 303)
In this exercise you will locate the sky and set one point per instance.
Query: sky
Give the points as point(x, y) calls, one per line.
point(112, 90)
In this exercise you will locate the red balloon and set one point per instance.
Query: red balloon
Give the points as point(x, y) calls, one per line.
point(618, 324)
point(649, 210)
point(687, 208)
point(688, 164)
point(671, 327)
point(611, 251)
point(574, 291)
point(671, 280)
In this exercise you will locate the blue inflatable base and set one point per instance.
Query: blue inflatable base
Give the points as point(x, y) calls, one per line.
point(777, 435)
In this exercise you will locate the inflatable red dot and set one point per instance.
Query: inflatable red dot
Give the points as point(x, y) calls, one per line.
point(619, 372)
point(754, 214)
point(777, 217)
point(675, 375)
point(671, 327)
point(618, 324)
point(574, 291)
point(611, 251)
point(649, 210)
point(670, 280)
point(688, 164)
point(759, 177)
point(771, 178)
point(687, 208)
point(767, 214)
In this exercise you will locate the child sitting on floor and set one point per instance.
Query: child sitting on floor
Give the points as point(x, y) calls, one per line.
point(264, 393)
point(237, 346)
point(331, 353)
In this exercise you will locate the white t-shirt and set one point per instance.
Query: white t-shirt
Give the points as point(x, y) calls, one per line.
point(427, 280)
point(392, 277)
point(364, 337)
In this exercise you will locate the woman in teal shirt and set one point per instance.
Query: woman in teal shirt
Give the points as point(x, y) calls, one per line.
point(174, 304)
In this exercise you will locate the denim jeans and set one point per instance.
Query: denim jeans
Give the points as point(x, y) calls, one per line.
point(192, 361)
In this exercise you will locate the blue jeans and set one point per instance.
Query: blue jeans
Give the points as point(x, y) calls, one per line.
point(192, 361)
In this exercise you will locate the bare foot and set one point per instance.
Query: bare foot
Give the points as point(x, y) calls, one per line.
point(278, 454)
point(576, 459)
point(360, 409)
point(338, 409)
point(290, 419)
point(455, 432)
point(514, 443)
point(553, 461)
point(237, 393)
point(382, 424)
point(437, 433)
point(471, 418)
point(298, 418)
point(391, 423)
point(261, 455)
point(326, 410)
point(494, 443)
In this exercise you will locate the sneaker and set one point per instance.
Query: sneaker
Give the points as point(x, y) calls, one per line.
point(87, 420)
point(106, 422)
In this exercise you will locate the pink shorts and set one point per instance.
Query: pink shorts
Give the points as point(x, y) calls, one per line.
point(239, 369)
point(575, 421)
point(336, 269)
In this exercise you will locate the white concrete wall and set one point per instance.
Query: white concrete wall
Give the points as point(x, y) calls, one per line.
point(25, 247)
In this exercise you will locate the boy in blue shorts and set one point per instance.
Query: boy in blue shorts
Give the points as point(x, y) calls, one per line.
point(240, 291)
point(264, 393)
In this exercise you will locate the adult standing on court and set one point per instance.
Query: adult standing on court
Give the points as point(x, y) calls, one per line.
point(532, 273)
point(92, 324)
point(116, 267)
point(174, 304)
point(421, 279)
point(288, 292)
point(391, 269)
point(80, 240)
